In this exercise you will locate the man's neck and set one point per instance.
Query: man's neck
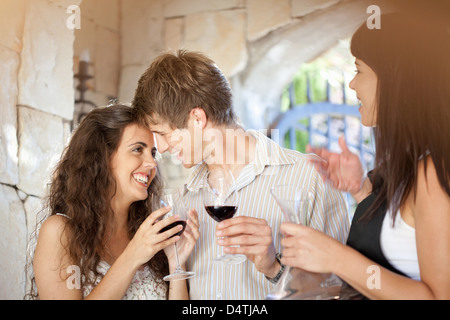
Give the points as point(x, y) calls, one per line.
point(233, 151)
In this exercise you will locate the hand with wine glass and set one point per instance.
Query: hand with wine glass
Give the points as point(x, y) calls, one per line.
point(221, 202)
point(304, 247)
point(241, 237)
point(186, 243)
point(188, 231)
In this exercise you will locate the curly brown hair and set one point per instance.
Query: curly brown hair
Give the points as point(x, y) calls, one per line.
point(82, 185)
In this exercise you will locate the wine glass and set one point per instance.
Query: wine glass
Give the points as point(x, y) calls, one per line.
point(172, 197)
point(296, 202)
point(220, 199)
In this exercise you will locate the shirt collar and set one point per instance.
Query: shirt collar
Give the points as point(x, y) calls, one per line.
point(268, 153)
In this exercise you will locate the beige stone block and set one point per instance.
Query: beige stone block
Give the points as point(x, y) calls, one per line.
point(34, 215)
point(68, 3)
point(46, 70)
point(131, 9)
point(107, 62)
point(174, 8)
point(107, 14)
point(12, 19)
point(265, 16)
point(85, 39)
point(128, 82)
point(41, 141)
point(173, 33)
point(220, 35)
point(9, 170)
point(87, 8)
point(13, 229)
point(303, 7)
point(142, 31)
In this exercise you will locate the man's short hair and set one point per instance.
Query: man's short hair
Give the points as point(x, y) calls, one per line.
point(175, 83)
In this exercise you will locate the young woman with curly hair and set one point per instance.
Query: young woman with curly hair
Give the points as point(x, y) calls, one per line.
point(101, 233)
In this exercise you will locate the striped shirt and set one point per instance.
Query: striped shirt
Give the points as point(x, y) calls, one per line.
point(272, 166)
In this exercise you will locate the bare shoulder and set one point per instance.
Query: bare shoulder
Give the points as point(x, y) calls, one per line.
point(428, 179)
point(430, 194)
point(53, 236)
point(431, 210)
point(53, 227)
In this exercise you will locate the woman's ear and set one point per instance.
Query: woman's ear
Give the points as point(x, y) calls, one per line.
point(198, 116)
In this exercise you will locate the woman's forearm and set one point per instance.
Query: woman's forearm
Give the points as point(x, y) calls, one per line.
point(117, 280)
point(376, 282)
point(178, 288)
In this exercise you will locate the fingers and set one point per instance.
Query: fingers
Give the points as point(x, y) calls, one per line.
point(151, 228)
point(168, 240)
point(240, 220)
point(193, 225)
point(343, 144)
point(155, 215)
point(253, 235)
point(243, 225)
point(161, 224)
point(291, 229)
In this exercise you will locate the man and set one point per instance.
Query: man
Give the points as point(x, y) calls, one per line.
point(187, 102)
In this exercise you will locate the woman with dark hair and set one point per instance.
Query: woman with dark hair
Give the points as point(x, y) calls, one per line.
point(399, 241)
point(101, 240)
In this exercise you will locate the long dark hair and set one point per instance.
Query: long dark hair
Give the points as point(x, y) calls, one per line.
point(410, 56)
point(82, 185)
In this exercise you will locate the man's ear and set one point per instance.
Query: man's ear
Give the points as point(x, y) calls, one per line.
point(198, 116)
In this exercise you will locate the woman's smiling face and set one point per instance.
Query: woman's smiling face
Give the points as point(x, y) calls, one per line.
point(365, 84)
point(133, 164)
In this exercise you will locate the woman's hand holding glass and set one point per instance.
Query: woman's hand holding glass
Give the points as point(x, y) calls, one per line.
point(186, 243)
point(148, 240)
point(309, 249)
point(172, 197)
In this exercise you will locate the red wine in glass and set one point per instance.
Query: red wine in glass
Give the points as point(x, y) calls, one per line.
point(173, 225)
point(220, 213)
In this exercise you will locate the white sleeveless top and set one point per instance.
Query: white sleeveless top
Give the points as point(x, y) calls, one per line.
point(398, 244)
point(142, 287)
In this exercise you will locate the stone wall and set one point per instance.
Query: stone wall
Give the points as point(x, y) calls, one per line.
point(36, 103)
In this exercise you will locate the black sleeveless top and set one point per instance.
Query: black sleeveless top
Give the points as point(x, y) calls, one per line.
point(364, 236)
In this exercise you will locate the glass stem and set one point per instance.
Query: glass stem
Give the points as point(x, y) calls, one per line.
point(219, 292)
point(178, 268)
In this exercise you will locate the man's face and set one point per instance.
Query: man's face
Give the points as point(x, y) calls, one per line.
point(184, 144)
